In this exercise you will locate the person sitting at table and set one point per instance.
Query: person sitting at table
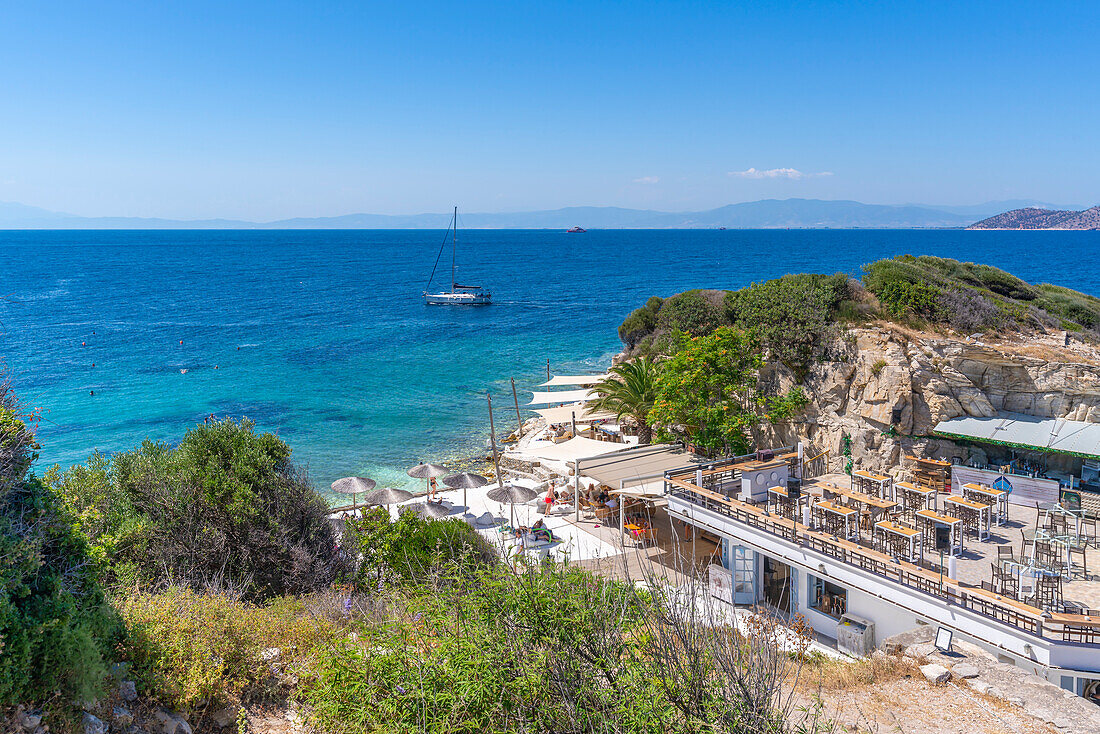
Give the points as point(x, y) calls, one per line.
point(602, 496)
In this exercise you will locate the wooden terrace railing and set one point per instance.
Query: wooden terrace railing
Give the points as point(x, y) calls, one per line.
point(1067, 628)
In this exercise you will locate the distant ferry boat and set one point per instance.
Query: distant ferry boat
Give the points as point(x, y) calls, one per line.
point(459, 295)
point(574, 230)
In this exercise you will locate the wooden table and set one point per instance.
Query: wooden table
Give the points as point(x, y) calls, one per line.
point(897, 538)
point(784, 505)
point(865, 481)
point(996, 497)
point(928, 520)
point(832, 515)
point(912, 494)
point(968, 509)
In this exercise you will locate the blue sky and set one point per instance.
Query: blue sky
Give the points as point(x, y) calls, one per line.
point(270, 110)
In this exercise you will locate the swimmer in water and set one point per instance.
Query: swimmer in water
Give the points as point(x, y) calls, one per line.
point(91, 392)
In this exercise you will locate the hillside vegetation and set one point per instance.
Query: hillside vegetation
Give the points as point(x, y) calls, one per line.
point(794, 318)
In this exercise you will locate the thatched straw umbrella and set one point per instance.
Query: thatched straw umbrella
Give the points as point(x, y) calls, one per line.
point(426, 472)
point(465, 480)
point(387, 496)
point(353, 486)
point(426, 510)
point(512, 493)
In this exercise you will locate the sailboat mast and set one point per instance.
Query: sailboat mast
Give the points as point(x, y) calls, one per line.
point(454, 246)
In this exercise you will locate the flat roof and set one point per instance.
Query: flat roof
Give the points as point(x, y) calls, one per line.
point(641, 468)
point(1027, 432)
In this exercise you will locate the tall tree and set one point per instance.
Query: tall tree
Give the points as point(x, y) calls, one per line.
point(708, 392)
point(630, 393)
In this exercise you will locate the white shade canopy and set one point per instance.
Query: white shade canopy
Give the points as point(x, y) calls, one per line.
point(562, 396)
point(565, 380)
point(565, 414)
point(569, 451)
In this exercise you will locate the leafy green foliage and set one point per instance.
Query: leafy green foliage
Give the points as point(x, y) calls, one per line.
point(640, 322)
point(411, 546)
point(225, 509)
point(56, 629)
point(709, 389)
point(793, 317)
point(694, 312)
point(630, 393)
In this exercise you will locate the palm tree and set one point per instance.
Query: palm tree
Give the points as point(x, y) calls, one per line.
point(629, 392)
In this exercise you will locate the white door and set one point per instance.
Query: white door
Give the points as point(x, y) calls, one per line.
point(743, 566)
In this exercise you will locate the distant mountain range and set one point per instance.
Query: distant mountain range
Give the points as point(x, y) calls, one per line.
point(765, 214)
point(1042, 218)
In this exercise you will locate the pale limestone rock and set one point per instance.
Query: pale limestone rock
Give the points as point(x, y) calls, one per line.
point(965, 670)
point(935, 673)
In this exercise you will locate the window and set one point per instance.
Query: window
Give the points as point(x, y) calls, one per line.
point(828, 598)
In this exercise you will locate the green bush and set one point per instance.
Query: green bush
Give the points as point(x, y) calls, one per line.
point(693, 312)
point(56, 629)
point(411, 547)
point(793, 317)
point(225, 509)
point(641, 322)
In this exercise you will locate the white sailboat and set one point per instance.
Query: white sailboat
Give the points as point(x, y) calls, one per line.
point(459, 295)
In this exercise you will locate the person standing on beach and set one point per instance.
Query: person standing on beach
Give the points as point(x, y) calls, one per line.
point(431, 489)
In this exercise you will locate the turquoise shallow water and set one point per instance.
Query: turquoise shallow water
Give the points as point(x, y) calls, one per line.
point(322, 336)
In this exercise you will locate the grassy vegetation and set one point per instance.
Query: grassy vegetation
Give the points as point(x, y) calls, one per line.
point(971, 297)
point(795, 318)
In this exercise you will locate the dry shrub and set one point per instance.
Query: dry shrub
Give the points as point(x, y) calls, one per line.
point(832, 674)
point(198, 652)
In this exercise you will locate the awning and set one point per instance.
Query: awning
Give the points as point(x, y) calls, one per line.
point(1021, 431)
point(569, 451)
point(564, 414)
point(640, 470)
point(562, 396)
point(564, 380)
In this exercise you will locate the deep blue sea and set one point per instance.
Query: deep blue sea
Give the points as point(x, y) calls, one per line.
point(322, 335)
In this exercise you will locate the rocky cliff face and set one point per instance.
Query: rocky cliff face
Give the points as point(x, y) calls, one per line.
point(889, 387)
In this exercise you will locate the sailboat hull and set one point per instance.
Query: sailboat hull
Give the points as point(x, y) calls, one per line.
point(458, 299)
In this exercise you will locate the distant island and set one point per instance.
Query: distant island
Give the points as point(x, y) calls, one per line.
point(1037, 218)
point(764, 214)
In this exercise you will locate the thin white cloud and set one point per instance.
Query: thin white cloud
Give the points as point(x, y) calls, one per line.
point(647, 180)
point(792, 173)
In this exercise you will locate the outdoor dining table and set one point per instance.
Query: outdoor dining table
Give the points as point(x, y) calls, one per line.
point(1032, 570)
point(928, 520)
point(998, 498)
point(897, 537)
point(833, 515)
point(865, 481)
point(784, 505)
point(916, 497)
point(965, 507)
